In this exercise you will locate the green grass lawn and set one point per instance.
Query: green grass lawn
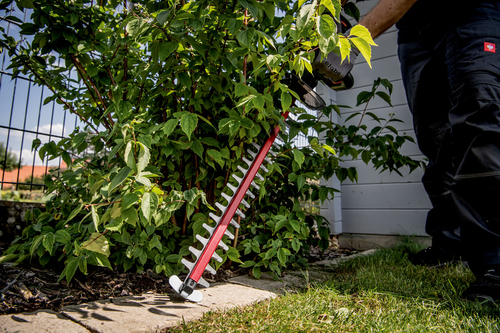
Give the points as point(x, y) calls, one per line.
point(383, 292)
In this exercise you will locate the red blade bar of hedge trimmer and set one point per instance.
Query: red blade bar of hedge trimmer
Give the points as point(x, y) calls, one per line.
point(186, 288)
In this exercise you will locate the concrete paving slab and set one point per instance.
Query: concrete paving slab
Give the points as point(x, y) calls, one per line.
point(153, 313)
point(266, 282)
point(39, 321)
point(146, 313)
point(223, 296)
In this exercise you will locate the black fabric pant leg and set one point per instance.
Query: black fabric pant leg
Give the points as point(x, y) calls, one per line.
point(427, 90)
point(474, 76)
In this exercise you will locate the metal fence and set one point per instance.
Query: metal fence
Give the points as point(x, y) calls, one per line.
point(25, 117)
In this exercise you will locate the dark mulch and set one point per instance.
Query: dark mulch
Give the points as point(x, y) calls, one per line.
point(28, 288)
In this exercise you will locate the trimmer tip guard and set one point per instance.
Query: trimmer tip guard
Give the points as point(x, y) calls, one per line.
point(176, 283)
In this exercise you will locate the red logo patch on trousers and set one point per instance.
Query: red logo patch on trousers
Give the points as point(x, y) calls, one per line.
point(489, 47)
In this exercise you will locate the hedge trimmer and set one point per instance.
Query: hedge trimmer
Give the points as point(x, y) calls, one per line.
point(256, 156)
point(306, 94)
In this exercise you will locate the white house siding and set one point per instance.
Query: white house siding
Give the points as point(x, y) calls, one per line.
point(380, 205)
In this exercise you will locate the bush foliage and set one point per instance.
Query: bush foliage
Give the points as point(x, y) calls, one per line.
point(172, 94)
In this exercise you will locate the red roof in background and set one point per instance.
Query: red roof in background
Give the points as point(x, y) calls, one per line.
point(24, 173)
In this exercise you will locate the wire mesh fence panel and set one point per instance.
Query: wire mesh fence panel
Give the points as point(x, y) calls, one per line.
point(25, 117)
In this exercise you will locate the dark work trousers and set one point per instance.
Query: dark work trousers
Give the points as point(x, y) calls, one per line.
point(452, 83)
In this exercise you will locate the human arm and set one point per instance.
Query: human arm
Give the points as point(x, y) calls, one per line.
point(384, 15)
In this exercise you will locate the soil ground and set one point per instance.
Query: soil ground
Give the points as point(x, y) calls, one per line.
point(27, 288)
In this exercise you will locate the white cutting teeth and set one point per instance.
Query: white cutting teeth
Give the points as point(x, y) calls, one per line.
point(256, 146)
point(221, 207)
point(216, 257)
point(202, 282)
point(250, 163)
point(255, 186)
point(272, 152)
point(223, 246)
point(189, 265)
point(242, 169)
point(240, 213)
point(235, 224)
point(238, 179)
point(214, 217)
point(252, 153)
point(210, 270)
point(235, 189)
point(245, 203)
point(227, 197)
point(208, 228)
point(250, 194)
point(202, 240)
point(229, 234)
point(232, 188)
point(268, 160)
point(258, 175)
point(246, 161)
point(195, 251)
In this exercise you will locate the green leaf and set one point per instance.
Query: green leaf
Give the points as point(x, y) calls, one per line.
point(95, 217)
point(166, 48)
point(385, 97)
point(333, 6)
point(328, 148)
point(286, 101)
point(97, 243)
point(266, 37)
point(100, 260)
point(169, 126)
point(119, 178)
point(48, 242)
point(189, 121)
point(366, 156)
point(115, 224)
point(298, 156)
point(70, 269)
point(282, 256)
point(129, 156)
point(256, 272)
point(215, 154)
point(146, 206)
point(327, 26)
point(197, 147)
point(185, 79)
point(25, 3)
point(245, 37)
point(130, 216)
point(305, 14)
point(62, 237)
point(364, 48)
point(363, 33)
point(162, 16)
point(143, 158)
point(128, 200)
point(295, 225)
point(240, 89)
point(74, 212)
point(8, 258)
point(233, 255)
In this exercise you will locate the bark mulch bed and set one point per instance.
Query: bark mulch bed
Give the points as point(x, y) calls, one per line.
point(28, 288)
